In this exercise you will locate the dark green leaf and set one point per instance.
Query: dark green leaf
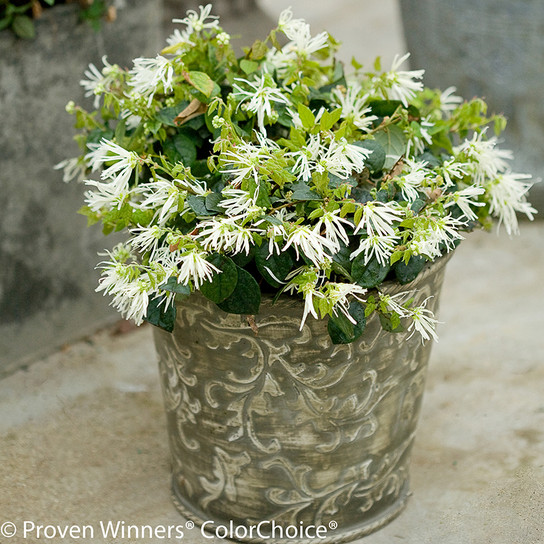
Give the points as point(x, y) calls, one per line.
point(342, 330)
point(369, 275)
point(241, 259)
point(393, 141)
point(198, 204)
point(384, 108)
point(23, 27)
point(5, 22)
point(361, 195)
point(301, 191)
point(200, 169)
point(186, 149)
point(167, 115)
point(278, 265)
point(430, 159)
point(172, 149)
point(376, 159)
point(417, 205)
point(246, 297)
point(408, 272)
point(222, 284)
point(173, 286)
point(342, 260)
point(212, 201)
point(158, 315)
point(263, 200)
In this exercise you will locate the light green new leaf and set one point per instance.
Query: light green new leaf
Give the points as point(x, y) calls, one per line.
point(306, 116)
point(201, 82)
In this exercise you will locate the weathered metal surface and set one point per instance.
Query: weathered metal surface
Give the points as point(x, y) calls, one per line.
point(286, 426)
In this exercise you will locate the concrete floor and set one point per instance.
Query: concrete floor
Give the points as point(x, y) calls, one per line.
point(83, 437)
point(83, 431)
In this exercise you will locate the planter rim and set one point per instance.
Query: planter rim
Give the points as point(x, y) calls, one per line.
point(389, 286)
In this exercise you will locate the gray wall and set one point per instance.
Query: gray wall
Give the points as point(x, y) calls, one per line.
point(47, 255)
point(489, 48)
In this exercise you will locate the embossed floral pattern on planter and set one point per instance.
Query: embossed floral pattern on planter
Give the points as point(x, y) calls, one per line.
point(285, 425)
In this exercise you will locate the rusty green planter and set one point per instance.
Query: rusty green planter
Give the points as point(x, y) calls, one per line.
point(286, 426)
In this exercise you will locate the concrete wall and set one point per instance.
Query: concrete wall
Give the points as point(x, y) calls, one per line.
point(47, 255)
point(494, 49)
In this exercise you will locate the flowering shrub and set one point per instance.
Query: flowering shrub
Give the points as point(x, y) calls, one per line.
point(278, 173)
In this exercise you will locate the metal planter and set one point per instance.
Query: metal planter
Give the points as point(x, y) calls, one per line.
point(286, 426)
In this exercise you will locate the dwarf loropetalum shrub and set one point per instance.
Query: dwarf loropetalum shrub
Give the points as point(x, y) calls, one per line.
point(279, 173)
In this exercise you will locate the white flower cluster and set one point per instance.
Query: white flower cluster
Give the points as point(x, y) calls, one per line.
point(293, 168)
point(490, 169)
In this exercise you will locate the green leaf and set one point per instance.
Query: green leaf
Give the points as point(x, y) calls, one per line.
point(246, 297)
point(391, 323)
point(376, 159)
point(263, 199)
point(201, 82)
point(5, 21)
point(301, 191)
point(274, 40)
point(212, 202)
point(342, 330)
point(306, 116)
point(258, 50)
point(92, 217)
point(278, 265)
point(173, 286)
point(393, 141)
point(342, 262)
point(222, 284)
point(248, 66)
point(329, 119)
point(167, 115)
point(23, 26)
point(158, 315)
point(369, 275)
point(198, 204)
point(384, 108)
point(180, 148)
point(407, 272)
point(417, 205)
point(186, 148)
point(241, 259)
